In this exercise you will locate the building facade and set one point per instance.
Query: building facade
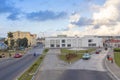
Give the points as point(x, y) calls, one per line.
point(31, 37)
point(73, 42)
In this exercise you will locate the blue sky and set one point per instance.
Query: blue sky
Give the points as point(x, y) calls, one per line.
point(38, 16)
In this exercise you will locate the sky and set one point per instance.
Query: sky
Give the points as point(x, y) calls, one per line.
point(56, 17)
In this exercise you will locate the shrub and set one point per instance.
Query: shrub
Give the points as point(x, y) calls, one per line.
point(117, 50)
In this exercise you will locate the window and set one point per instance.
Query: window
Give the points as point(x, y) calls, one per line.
point(52, 45)
point(63, 41)
point(57, 45)
point(90, 40)
point(69, 45)
point(63, 45)
point(68, 40)
point(92, 45)
point(52, 41)
point(57, 41)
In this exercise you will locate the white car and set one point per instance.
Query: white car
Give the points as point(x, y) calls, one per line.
point(86, 56)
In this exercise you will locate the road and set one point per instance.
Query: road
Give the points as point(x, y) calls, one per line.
point(12, 68)
point(54, 69)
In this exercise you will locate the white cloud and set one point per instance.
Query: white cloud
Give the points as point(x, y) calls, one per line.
point(107, 13)
point(106, 20)
point(74, 17)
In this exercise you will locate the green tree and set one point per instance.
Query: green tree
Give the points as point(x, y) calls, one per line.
point(6, 42)
point(12, 43)
point(10, 35)
point(22, 42)
point(25, 41)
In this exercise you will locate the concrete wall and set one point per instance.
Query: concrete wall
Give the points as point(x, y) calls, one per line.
point(73, 42)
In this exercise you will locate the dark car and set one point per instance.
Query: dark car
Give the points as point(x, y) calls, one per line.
point(106, 48)
point(17, 55)
point(98, 51)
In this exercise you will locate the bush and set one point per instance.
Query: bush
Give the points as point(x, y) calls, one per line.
point(117, 50)
point(46, 50)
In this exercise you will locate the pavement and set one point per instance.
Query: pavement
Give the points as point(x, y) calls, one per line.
point(13, 68)
point(112, 67)
point(54, 69)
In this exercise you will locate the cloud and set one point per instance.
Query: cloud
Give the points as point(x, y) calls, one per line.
point(83, 22)
point(105, 21)
point(45, 15)
point(8, 7)
point(108, 13)
point(13, 16)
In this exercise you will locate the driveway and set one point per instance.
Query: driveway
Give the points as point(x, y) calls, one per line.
point(54, 69)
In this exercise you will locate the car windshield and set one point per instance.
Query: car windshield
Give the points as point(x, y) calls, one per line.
point(86, 54)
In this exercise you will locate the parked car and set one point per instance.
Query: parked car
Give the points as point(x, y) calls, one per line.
point(86, 56)
point(98, 51)
point(106, 48)
point(17, 55)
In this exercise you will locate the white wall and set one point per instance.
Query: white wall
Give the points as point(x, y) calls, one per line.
point(75, 42)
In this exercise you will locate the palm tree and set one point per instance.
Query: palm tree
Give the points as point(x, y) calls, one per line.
point(10, 35)
point(11, 41)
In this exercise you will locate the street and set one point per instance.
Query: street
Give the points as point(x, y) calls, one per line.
point(12, 68)
point(55, 69)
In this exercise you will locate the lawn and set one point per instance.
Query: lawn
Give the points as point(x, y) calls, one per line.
point(28, 74)
point(117, 58)
point(72, 55)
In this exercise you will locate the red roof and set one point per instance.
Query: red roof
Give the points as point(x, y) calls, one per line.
point(114, 41)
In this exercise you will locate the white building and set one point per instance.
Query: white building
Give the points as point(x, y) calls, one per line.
point(73, 42)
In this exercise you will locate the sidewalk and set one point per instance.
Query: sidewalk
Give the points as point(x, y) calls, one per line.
point(2, 60)
point(113, 68)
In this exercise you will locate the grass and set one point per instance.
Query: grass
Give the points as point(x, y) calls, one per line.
point(117, 58)
point(28, 74)
point(65, 52)
point(63, 57)
point(117, 49)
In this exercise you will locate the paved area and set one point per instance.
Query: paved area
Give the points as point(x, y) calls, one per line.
point(11, 69)
point(112, 67)
point(52, 62)
point(54, 69)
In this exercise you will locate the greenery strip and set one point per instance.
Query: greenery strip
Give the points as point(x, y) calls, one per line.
point(27, 75)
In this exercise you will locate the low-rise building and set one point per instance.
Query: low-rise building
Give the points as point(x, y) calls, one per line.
point(30, 37)
point(73, 42)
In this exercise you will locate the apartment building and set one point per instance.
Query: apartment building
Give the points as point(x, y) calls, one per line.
point(31, 37)
point(73, 42)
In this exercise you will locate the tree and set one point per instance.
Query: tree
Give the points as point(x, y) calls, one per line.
point(25, 41)
point(6, 42)
point(12, 43)
point(10, 35)
point(22, 42)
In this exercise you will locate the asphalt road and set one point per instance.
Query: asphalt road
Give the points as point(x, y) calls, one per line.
point(12, 68)
point(74, 75)
point(54, 69)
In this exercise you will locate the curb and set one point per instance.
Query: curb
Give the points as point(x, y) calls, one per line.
point(111, 71)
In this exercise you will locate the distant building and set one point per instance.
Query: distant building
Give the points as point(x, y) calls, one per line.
point(40, 40)
point(31, 37)
point(73, 42)
point(3, 46)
